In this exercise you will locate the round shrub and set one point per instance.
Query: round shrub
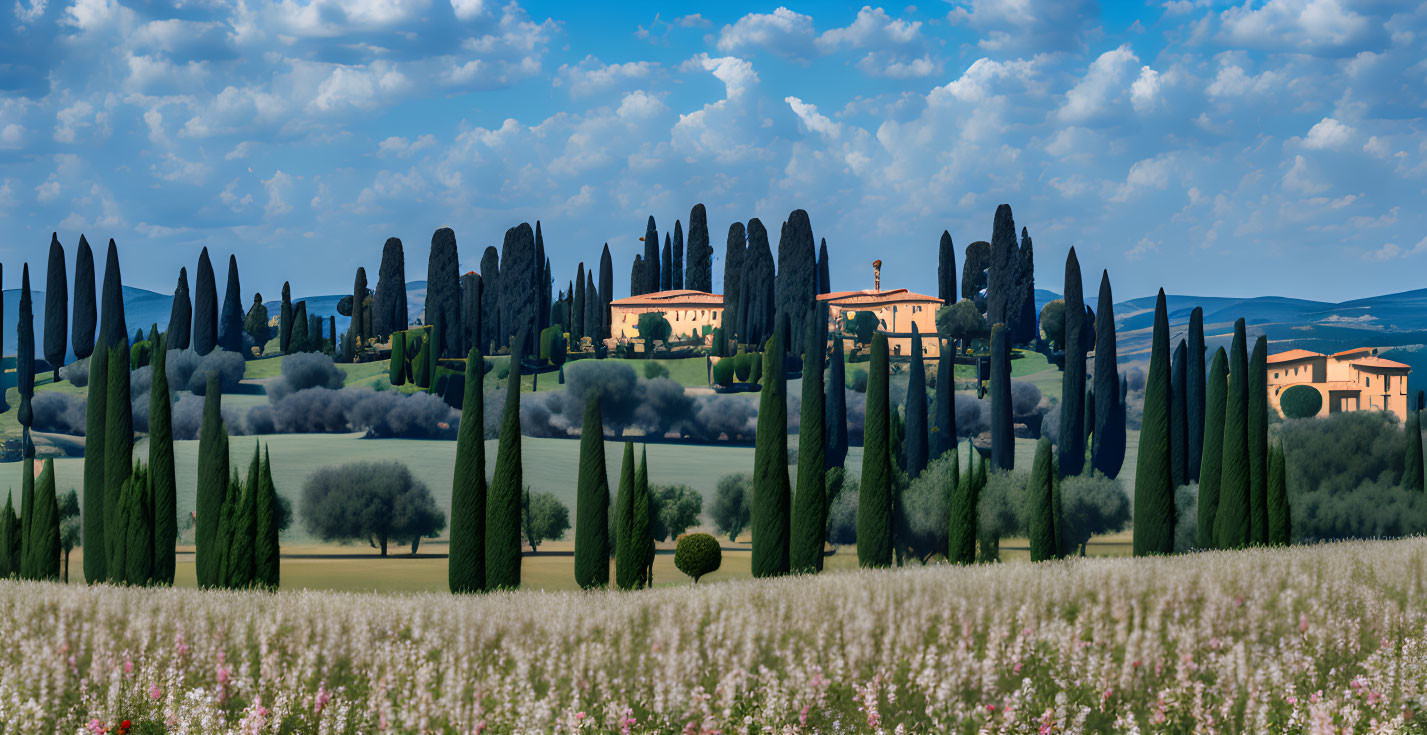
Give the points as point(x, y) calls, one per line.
point(305, 370)
point(1301, 402)
point(723, 371)
point(697, 554)
point(189, 370)
point(77, 373)
point(654, 370)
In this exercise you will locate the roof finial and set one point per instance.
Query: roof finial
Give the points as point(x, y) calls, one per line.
point(877, 275)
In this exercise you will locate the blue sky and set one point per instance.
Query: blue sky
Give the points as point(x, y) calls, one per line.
point(1261, 148)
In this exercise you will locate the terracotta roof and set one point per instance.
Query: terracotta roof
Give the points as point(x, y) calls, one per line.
point(1292, 355)
point(1379, 362)
point(1353, 351)
point(673, 299)
point(868, 296)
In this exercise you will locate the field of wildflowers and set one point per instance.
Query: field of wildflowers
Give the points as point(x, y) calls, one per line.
point(1329, 638)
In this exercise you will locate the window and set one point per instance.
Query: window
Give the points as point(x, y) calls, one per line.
point(1369, 380)
point(1275, 376)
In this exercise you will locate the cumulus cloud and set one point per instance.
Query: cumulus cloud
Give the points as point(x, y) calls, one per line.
point(1305, 25)
point(1328, 134)
point(1102, 84)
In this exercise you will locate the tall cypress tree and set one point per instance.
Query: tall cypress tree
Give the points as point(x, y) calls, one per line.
point(1071, 454)
point(517, 303)
point(1003, 437)
point(92, 516)
point(698, 273)
point(267, 552)
point(810, 503)
point(824, 277)
point(735, 250)
point(916, 443)
point(230, 323)
point(9, 528)
point(641, 535)
point(874, 501)
point(467, 569)
point(592, 502)
point(1108, 445)
point(139, 528)
point(1154, 483)
point(113, 328)
point(577, 321)
point(1040, 508)
point(503, 503)
point(1026, 296)
point(443, 291)
point(835, 452)
point(25, 377)
point(299, 339)
point(1232, 529)
point(943, 438)
point(1280, 528)
point(1179, 416)
point(771, 502)
point(359, 296)
point(86, 311)
point(959, 531)
point(205, 306)
point(180, 317)
point(757, 306)
point(592, 327)
point(676, 269)
point(118, 457)
point(1258, 441)
point(389, 300)
point(212, 486)
point(666, 271)
point(287, 319)
point(1194, 396)
point(242, 546)
point(796, 285)
point(606, 291)
point(1412, 458)
point(161, 466)
point(1211, 464)
point(1057, 510)
point(626, 561)
point(1001, 274)
point(44, 529)
point(56, 307)
point(946, 270)
point(650, 283)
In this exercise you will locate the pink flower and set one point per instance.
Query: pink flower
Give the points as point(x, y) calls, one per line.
point(179, 646)
point(96, 727)
point(321, 699)
point(155, 692)
point(1017, 668)
point(990, 708)
point(1302, 623)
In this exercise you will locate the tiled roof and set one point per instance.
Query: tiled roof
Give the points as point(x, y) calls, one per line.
point(672, 299)
point(1353, 351)
point(870, 297)
point(1292, 355)
point(1381, 363)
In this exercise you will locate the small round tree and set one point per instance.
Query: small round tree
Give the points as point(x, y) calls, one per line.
point(374, 502)
point(1301, 402)
point(697, 554)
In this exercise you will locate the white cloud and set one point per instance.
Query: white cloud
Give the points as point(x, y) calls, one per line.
point(1301, 179)
point(591, 75)
point(872, 28)
point(1102, 83)
point(29, 14)
point(467, 9)
point(1149, 173)
point(1233, 81)
point(1391, 251)
point(640, 105)
point(975, 84)
point(403, 148)
point(49, 190)
point(359, 87)
point(70, 119)
point(1326, 134)
point(782, 32)
point(1377, 147)
point(1144, 93)
point(1294, 24)
point(1042, 25)
point(812, 119)
point(693, 20)
point(1142, 248)
point(278, 186)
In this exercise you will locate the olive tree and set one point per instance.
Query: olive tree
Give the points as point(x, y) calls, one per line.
point(374, 502)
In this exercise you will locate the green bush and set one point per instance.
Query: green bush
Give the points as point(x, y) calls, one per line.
point(743, 365)
point(1301, 402)
point(859, 381)
point(723, 371)
point(1091, 504)
point(654, 370)
point(140, 354)
point(697, 554)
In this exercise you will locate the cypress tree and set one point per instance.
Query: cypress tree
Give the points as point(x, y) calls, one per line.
point(518, 312)
point(1058, 518)
point(649, 282)
point(86, 311)
point(943, 438)
point(1025, 297)
point(443, 290)
point(25, 377)
point(286, 320)
point(1179, 417)
point(1154, 486)
point(874, 501)
point(666, 262)
point(577, 321)
point(9, 528)
point(180, 317)
point(606, 291)
point(698, 275)
point(205, 306)
point(592, 327)
point(592, 502)
point(1003, 437)
point(1089, 415)
point(161, 466)
point(242, 546)
point(1280, 532)
point(810, 503)
point(267, 554)
point(1258, 441)
point(56, 307)
point(1194, 401)
point(118, 456)
point(626, 561)
point(1040, 507)
point(1071, 454)
point(770, 520)
point(396, 373)
point(359, 295)
point(757, 306)
point(503, 503)
point(223, 541)
point(1001, 274)
point(824, 277)
point(1210, 466)
point(92, 516)
point(139, 553)
point(734, 253)
point(946, 270)
point(44, 529)
point(959, 532)
point(1232, 527)
point(636, 276)
point(1108, 439)
point(230, 324)
point(540, 283)
point(491, 329)
point(676, 270)
point(1412, 459)
point(796, 284)
point(916, 447)
point(212, 486)
point(835, 452)
point(467, 568)
point(301, 326)
point(27, 507)
point(641, 536)
point(389, 299)
point(113, 329)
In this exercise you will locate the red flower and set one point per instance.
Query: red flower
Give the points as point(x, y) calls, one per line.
point(124, 726)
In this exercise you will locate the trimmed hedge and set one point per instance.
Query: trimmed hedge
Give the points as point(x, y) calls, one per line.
point(697, 554)
point(1301, 402)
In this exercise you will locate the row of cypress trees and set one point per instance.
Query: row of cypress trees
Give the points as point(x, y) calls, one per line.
point(236, 533)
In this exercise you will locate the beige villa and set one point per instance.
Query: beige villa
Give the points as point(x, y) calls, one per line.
point(1351, 380)
point(896, 311)
point(690, 313)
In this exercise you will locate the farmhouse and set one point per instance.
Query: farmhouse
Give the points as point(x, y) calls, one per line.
point(1351, 380)
point(690, 313)
point(896, 311)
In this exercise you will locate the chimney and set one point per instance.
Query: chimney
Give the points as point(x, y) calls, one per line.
point(876, 275)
